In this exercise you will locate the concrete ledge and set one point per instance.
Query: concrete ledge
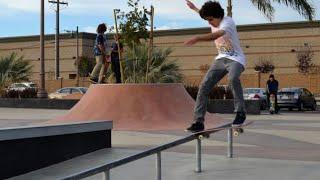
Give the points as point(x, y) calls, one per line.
point(227, 106)
point(37, 103)
point(79, 164)
point(26, 149)
point(52, 130)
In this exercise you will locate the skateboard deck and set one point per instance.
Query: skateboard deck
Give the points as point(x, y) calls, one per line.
point(237, 130)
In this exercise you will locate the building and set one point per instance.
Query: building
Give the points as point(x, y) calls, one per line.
point(278, 42)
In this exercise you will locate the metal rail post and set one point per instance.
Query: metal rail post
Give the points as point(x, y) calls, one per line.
point(158, 166)
point(230, 143)
point(107, 174)
point(198, 155)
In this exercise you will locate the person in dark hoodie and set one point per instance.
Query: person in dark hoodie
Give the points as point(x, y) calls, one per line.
point(272, 88)
point(115, 59)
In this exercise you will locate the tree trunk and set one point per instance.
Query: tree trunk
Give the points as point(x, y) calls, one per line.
point(229, 8)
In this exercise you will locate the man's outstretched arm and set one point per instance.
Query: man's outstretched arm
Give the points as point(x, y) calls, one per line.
point(192, 6)
point(206, 37)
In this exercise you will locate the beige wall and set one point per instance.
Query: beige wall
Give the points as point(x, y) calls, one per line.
point(276, 45)
point(30, 51)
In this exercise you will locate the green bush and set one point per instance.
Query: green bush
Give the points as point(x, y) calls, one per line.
point(27, 93)
point(14, 68)
point(86, 66)
point(161, 68)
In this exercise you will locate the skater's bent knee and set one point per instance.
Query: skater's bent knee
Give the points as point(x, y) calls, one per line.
point(233, 80)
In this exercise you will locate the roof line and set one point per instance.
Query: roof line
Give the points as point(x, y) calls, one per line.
point(172, 32)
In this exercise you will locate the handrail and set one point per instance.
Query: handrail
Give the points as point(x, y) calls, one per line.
point(157, 150)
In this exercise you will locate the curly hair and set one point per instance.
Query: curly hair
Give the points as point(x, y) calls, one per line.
point(211, 9)
point(102, 28)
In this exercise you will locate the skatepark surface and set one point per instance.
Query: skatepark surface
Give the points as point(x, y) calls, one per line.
point(284, 146)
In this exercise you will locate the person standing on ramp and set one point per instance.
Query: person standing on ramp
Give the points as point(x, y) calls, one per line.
point(115, 59)
point(97, 74)
point(230, 60)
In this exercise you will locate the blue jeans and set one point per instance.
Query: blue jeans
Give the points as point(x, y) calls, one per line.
point(216, 72)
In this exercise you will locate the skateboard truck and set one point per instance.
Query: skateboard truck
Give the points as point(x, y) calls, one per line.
point(237, 130)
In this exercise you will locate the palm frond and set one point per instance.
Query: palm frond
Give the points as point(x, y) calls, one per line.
point(304, 7)
point(266, 7)
point(161, 69)
point(14, 68)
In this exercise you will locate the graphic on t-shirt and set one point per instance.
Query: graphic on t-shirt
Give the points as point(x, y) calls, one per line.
point(224, 46)
point(228, 45)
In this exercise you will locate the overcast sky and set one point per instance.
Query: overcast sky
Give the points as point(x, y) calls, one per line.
point(21, 17)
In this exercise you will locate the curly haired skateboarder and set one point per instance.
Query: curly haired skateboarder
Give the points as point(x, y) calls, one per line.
point(230, 60)
point(102, 59)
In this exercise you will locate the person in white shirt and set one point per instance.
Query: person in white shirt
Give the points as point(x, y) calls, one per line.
point(230, 60)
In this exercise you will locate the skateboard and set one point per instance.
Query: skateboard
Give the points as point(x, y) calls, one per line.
point(94, 82)
point(237, 130)
point(272, 109)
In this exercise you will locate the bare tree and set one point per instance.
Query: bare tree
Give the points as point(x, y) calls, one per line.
point(304, 59)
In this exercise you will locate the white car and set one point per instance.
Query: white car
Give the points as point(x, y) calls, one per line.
point(22, 86)
point(60, 93)
point(256, 94)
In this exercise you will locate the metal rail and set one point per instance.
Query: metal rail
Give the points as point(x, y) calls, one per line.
point(157, 150)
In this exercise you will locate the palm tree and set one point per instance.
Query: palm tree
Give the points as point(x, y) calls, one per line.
point(304, 7)
point(161, 69)
point(13, 68)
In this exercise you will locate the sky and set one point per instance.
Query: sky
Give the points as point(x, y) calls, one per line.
point(22, 17)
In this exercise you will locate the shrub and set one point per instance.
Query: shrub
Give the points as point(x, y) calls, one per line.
point(14, 68)
point(264, 66)
point(27, 93)
point(217, 92)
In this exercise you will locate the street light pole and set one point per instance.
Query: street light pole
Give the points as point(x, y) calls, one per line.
point(78, 60)
point(57, 61)
point(150, 50)
point(42, 91)
point(115, 12)
point(57, 40)
point(229, 8)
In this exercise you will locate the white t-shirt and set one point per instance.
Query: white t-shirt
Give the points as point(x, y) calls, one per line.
point(228, 45)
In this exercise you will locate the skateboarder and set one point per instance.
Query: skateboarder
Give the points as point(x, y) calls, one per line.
point(272, 88)
point(230, 60)
point(98, 71)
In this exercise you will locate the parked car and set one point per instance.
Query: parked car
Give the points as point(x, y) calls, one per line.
point(300, 98)
point(60, 93)
point(256, 94)
point(22, 86)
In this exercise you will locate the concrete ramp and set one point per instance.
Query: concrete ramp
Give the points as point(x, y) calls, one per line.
point(137, 107)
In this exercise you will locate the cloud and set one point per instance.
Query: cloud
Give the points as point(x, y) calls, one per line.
point(31, 6)
point(172, 25)
point(169, 14)
point(163, 8)
point(89, 29)
point(74, 6)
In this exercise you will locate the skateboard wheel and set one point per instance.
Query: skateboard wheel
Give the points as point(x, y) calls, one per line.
point(236, 133)
point(200, 136)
